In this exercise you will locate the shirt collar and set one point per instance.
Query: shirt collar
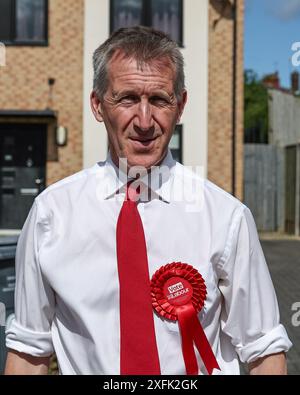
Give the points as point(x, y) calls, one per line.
point(155, 185)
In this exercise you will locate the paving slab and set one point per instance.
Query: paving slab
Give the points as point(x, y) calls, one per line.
point(283, 258)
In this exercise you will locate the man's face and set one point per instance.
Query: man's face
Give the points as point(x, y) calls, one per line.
point(139, 109)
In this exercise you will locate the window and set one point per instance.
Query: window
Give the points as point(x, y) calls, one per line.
point(164, 15)
point(175, 144)
point(23, 22)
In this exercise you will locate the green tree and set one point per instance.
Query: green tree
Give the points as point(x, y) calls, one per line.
point(255, 109)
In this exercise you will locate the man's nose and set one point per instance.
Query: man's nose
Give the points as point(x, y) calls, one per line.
point(144, 117)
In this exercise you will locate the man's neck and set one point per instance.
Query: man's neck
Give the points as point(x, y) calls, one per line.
point(122, 164)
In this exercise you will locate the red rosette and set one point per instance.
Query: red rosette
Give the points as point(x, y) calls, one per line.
point(179, 270)
point(178, 293)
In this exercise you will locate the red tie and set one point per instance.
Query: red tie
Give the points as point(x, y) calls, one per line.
point(138, 353)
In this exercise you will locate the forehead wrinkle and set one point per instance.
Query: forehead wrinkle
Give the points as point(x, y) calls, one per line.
point(144, 89)
point(138, 81)
point(134, 75)
point(141, 83)
point(120, 56)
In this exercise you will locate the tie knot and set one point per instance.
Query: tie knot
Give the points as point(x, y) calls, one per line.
point(132, 191)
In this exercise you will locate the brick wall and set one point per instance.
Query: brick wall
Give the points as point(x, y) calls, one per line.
point(24, 80)
point(220, 99)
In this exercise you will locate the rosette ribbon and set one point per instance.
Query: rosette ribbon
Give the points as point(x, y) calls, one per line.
point(178, 293)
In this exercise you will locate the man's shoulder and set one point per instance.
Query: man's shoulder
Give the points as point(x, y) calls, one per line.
point(72, 182)
point(212, 193)
point(221, 195)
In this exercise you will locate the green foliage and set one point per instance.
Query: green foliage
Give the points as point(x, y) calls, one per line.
point(53, 367)
point(256, 109)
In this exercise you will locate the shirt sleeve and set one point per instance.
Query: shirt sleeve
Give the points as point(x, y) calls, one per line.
point(30, 330)
point(250, 315)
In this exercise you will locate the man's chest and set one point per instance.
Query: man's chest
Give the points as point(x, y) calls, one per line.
point(80, 262)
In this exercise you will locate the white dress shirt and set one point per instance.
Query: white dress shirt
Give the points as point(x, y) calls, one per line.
point(67, 289)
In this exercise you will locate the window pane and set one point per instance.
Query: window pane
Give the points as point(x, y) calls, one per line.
point(126, 13)
point(30, 20)
point(5, 20)
point(167, 17)
point(175, 144)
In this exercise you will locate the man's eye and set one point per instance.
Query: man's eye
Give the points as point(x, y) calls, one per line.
point(128, 99)
point(158, 100)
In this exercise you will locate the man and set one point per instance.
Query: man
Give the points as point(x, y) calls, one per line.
point(72, 294)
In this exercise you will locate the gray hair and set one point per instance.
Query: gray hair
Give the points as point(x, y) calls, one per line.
point(143, 44)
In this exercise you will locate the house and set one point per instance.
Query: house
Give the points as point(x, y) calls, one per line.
point(284, 133)
point(272, 170)
point(47, 131)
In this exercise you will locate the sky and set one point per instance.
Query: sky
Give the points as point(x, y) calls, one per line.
point(271, 27)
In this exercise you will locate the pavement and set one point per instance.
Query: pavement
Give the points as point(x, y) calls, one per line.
point(282, 254)
point(283, 258)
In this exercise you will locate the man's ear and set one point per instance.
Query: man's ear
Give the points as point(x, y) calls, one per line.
point(96, 106)
point(181, 104)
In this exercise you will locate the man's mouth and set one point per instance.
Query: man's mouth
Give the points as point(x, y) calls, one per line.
point(143, 142)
